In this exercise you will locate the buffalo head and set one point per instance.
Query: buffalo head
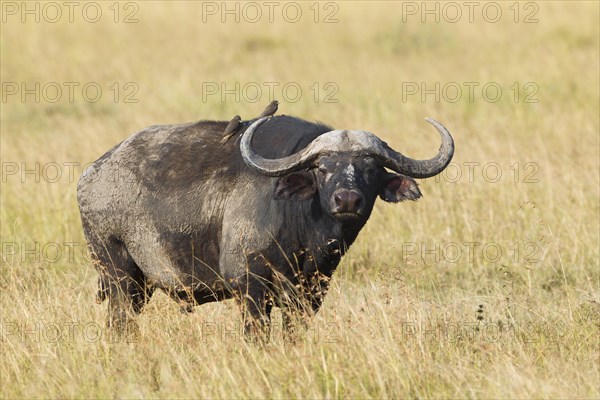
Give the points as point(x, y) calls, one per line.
point(348, 170)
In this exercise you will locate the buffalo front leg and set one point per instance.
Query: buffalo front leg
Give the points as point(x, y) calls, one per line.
point(256, 314)
point(256, 305)
point(299, 310)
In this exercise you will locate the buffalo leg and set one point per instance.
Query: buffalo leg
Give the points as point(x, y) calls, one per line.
point(297, 312)
point(256, 311)
point(294, 322)
point(122, 281)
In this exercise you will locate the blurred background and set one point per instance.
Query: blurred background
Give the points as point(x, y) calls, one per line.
point(506, 239)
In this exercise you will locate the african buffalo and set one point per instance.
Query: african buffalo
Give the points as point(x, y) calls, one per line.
point(264, 217)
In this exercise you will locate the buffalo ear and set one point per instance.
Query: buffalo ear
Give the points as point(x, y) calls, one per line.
point(397, 188)
point(295, 186)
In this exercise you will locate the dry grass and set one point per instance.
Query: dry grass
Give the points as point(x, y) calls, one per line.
point(396, 324)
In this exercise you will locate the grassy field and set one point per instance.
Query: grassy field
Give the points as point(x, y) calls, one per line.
point(488, 287)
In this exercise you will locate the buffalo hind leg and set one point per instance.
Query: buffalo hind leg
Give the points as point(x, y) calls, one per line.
point(123, 283)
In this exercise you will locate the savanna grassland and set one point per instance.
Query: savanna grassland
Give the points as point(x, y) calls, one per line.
point(488, 287)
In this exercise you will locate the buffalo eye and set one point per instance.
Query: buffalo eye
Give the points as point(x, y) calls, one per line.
point(371, 172)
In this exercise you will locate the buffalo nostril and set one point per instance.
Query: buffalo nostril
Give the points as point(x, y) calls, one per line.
point(354, 200)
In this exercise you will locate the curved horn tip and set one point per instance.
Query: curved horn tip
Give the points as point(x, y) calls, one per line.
point(432, 121)
point(441, 129)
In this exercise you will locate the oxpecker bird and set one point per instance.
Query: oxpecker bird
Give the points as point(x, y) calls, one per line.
point(270, 110)
point(231, 129)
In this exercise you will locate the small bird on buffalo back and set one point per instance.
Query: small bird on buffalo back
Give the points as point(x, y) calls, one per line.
point(232, 127)
point(270, 110)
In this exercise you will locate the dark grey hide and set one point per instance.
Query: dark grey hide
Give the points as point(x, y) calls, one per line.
point(173, 208)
